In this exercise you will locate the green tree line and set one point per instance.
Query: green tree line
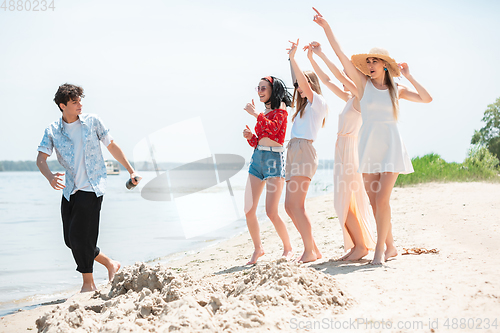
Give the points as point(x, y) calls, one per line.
point(482, 162)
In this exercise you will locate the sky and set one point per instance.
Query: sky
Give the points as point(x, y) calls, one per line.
point(146, 66)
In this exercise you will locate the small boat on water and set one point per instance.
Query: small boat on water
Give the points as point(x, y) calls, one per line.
point(112, 167)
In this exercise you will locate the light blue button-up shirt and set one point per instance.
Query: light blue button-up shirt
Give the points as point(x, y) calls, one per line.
point(93, 131)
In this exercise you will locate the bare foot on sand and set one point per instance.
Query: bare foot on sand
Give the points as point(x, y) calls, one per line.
point(308, 257)
point(256, 255)
point(287, 254)
point(344, 256)
point(86, 288)
point(113, 268)
point(317, 251)
point(357, 253)
point(391, 252)
point(318, 254)
point(378, 258)
point(88, 283)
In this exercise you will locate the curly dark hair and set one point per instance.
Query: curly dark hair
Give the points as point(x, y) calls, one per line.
point(279, 94)
point(67, 92)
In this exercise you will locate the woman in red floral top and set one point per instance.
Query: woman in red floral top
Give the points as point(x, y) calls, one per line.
point(267, 166)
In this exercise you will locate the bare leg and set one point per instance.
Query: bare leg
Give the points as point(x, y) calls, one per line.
point(391, 250)
point(296, 190)
point(354, 229)
point(88, 283)
point(372, 187)
point(372, 184)
point(253, 190)
point(316, 249)
point(111, 265)
point(274, 188)
point(384, 186)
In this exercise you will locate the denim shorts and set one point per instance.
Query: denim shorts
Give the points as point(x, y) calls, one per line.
point(267, 164)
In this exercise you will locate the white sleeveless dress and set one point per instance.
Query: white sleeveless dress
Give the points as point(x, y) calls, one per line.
point(349, 190)
point(380, 148)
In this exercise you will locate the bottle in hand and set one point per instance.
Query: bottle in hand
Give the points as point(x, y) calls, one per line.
point(129, 183)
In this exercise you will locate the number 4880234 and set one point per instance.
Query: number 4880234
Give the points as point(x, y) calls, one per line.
point(27, 5)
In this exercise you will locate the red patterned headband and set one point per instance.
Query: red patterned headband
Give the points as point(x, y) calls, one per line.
point(269, 78)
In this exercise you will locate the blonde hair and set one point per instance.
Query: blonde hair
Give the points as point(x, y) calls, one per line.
point(300, 103)
point(393, 90)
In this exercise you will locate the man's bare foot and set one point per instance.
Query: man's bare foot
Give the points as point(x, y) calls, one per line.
point(357, 253)
point(308, 257)
point(88, 283)
point(87, 288)
point(378, 258)
point(287, 254)
point(113, 268)
point(256, 255)
point(390, 252)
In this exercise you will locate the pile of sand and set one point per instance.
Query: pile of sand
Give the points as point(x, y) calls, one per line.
point(144, 298)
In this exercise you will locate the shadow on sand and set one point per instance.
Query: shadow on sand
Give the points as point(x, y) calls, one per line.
point(331, 267)
point(334, 267)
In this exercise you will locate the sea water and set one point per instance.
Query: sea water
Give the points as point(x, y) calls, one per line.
point(36, 266)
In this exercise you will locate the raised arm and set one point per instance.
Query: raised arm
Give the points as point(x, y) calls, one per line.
point(301, 78)
point(421, 96)
point(322, 75)
point(342, 77)
point(356, 76)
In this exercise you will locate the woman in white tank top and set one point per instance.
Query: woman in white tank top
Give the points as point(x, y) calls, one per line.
point(382, 154)
point(301, 158)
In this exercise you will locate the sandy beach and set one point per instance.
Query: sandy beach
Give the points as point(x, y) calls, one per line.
point(455, 289)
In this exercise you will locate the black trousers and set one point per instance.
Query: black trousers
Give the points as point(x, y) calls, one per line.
point(80, 217)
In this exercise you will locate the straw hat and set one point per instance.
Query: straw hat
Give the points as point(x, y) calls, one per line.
point(359, 60)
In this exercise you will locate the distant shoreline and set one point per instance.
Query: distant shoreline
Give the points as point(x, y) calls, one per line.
point(145, 166)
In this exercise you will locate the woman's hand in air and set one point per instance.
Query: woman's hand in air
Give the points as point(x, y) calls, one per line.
point(247, 133)
point(292, 49)
point(309, 50)
point(318, 18)
point(250, 108)
point(315, 47)
point(404, 68)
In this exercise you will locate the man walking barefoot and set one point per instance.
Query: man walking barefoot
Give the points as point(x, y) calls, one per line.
point(76, 139)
